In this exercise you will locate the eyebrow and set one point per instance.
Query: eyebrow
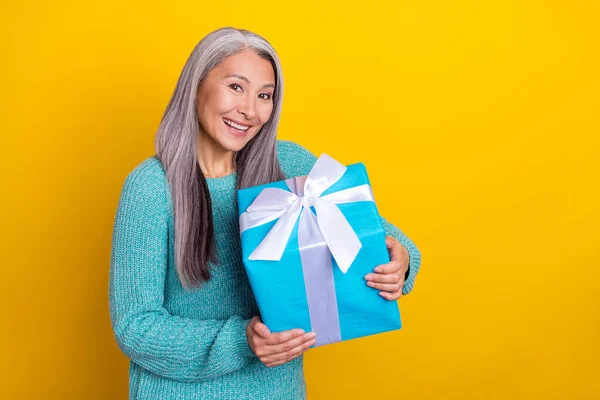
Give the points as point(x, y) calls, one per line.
point(247, 81)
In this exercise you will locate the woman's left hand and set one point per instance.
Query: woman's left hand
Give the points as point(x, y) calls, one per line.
point(389, 278)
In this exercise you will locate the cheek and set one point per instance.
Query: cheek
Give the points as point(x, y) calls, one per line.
point(222, 102)
point(265, 113)
point(213, 107)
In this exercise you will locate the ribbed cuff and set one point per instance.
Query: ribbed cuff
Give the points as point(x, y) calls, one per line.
point(413, 267)
point(407, 269)
point(242, 339)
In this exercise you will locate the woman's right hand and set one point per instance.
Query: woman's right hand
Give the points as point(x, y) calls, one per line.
point(276, 348)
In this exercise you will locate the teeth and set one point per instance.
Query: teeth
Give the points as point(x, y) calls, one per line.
point(236, 126)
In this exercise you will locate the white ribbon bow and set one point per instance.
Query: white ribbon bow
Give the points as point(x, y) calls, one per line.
point(329, 226)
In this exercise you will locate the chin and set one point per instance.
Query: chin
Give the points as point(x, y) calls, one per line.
point(233, 143)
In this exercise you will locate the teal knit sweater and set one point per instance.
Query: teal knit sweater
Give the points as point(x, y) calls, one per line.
point(192, 344)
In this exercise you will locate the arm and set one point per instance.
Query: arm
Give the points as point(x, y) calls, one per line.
point(295, 160)
point(171, 346)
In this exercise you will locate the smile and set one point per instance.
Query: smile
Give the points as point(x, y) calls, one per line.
point(236, 126)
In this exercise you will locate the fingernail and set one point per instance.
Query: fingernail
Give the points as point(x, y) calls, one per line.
point(299, 332)
point(378, 269)
point(369, 277)
point(311, 335)
point(370, 284)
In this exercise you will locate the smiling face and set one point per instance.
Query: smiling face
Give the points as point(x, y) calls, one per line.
point(235, 100)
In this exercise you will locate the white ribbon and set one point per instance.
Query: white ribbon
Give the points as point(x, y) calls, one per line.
point(335, 231)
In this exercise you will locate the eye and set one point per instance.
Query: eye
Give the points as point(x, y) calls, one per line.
point(234, 85)
point(268, 96)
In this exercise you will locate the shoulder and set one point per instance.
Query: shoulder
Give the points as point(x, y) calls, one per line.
point(288, 149)
point(146, 183)
point(149, 169)
point(294, 159)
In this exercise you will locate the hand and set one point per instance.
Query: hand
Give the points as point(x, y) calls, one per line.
point(389, 278)
point(278, 347)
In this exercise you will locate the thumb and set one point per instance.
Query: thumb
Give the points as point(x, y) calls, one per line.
point(260, 328)
point(390, 241)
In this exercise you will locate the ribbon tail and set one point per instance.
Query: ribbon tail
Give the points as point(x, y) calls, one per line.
point(338, 233)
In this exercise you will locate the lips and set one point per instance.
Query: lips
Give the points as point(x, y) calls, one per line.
point(236, 122)
point(235, 131)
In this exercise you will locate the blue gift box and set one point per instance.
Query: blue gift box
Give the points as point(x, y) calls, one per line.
point(280, 287)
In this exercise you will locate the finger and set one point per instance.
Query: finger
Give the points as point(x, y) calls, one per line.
point(395, 248)
point(261, 329)
point(258, 327)
point(282, 348)
point(253, 322)
point(389, 268)
point(277, 338)
point(391, 242)
point(385, 278)
point(387, 287)
point(290, 354)
point(276, 363)
point(391, 296)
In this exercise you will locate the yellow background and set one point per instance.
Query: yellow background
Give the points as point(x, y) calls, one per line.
point(478, 122)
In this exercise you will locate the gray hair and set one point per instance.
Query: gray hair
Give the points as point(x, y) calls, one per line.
point(176, 147)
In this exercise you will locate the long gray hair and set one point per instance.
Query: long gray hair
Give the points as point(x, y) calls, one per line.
point(176, 147)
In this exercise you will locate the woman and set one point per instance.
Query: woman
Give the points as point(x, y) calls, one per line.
point(181, 305)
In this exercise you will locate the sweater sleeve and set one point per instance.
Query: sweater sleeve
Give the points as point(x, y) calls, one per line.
point(168, 345)
point(295, 160)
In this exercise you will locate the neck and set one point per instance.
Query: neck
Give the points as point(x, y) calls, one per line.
point(215, 161)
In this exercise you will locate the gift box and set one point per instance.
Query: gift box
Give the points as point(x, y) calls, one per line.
point(307, 243)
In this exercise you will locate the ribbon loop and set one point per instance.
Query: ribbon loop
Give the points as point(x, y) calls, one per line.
point(305, 192)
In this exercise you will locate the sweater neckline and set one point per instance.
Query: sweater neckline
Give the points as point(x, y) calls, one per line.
point(222, 182)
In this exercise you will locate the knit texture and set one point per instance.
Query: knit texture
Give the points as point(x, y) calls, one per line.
point(192, 344)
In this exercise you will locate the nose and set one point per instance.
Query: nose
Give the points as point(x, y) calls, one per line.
point(247, 107)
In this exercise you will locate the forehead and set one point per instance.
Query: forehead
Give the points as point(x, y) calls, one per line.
point(258, 70)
